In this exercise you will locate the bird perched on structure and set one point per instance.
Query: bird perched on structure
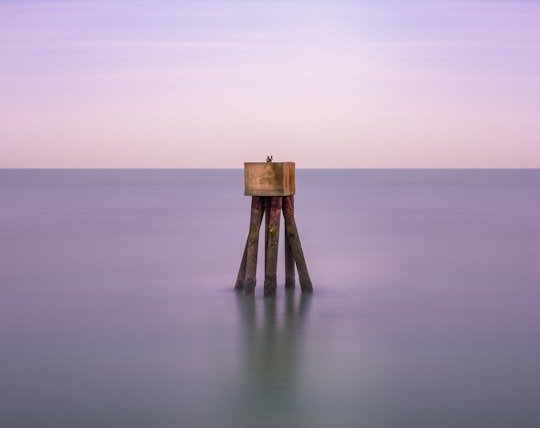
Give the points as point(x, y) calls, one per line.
point(269, 158)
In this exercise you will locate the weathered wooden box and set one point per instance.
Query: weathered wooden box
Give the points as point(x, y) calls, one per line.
point(269, 178)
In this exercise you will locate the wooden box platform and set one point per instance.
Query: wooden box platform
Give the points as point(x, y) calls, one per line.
point(269, 178)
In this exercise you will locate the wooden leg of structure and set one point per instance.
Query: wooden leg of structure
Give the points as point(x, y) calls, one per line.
point(294, 239)
point(241, 272)
point(270, 208)
point(267, 203)
point(272, 234)
point(290, 274)
point(253, 244)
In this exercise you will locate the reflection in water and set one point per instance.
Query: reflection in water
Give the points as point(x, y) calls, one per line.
point(272, 330)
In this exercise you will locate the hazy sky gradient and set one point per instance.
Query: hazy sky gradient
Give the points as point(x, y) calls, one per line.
point(324, 83)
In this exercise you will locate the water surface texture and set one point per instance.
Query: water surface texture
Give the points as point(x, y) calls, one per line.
point(117, 306)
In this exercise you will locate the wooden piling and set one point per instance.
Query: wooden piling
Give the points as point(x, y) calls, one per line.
point(294, 239)
point(290, 274)
point(253, 244)
point(272, 187)
point(242, 272)
point(272, 233)
point(266, 204)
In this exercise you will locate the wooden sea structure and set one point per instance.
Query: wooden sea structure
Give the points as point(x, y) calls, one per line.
point(271, 186)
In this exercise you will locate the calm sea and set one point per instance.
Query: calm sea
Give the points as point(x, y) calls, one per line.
point(117, 306)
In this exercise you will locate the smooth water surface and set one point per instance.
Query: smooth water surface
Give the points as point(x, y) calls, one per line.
point(117, 306)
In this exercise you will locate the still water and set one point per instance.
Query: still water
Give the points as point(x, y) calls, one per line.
point(117, 306)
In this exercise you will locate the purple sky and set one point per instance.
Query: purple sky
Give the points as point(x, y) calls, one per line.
point(334, 84)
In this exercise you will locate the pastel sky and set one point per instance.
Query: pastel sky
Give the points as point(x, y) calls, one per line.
point(327, 84)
